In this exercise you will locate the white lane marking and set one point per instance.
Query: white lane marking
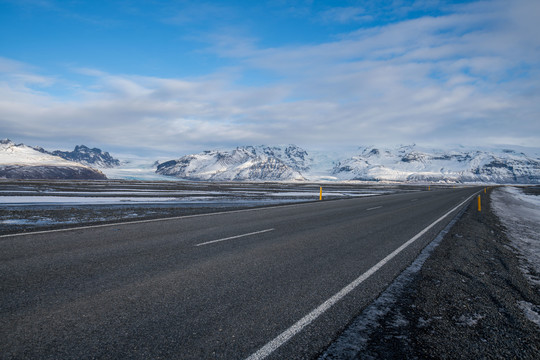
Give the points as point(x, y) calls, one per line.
point(285, 336)
point(234, 237)
point(414, 200)
point(373, 208)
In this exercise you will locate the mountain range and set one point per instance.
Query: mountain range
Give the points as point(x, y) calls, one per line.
point(407, 164)
point(411, 164)
point(400, 164)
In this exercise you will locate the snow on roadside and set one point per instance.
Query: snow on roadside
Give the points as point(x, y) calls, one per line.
point(532, 312)
point(520, 214)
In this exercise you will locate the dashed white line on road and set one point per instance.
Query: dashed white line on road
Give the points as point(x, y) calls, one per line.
point(373, 208)
point(234, 237)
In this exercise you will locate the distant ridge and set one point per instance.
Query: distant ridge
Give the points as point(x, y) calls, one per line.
point(406, 164)
point(401, 164)
point(411, 164)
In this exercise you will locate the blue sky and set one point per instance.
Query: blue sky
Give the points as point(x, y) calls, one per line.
point(174, 77)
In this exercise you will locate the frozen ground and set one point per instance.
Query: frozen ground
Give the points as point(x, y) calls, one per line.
point(37, 205)
point(520, 214)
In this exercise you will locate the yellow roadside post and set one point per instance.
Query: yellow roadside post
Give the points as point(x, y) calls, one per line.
point(320, 193)
point(479, 204)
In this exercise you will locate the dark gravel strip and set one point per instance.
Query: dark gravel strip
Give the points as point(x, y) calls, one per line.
point(462, 304)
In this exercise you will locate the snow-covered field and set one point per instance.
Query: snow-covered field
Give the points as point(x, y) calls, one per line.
point(520, 214)
point(33, 205)
point(76, 197)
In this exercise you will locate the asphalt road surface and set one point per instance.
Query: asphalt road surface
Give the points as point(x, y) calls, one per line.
point(272, 283)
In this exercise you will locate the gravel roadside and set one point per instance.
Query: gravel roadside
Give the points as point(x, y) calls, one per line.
point(462, 304)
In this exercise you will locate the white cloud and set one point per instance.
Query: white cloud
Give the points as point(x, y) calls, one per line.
point(345, 14)
point(470, 76)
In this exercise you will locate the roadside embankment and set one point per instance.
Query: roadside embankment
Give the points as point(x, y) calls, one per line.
point(464, 303)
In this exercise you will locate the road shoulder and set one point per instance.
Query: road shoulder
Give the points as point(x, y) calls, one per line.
point(463, 303)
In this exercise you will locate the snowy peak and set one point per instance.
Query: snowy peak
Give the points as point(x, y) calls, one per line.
point(410, 164)
point(405, 163)
point(292, 155)
point(18, 161)
point(11, 153)
point(84, 155)
point(248, 163)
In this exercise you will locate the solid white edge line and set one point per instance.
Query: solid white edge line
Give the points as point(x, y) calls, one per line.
point(285, 336)
point(234, 237)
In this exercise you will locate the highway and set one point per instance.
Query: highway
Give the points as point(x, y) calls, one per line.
point(276, 283)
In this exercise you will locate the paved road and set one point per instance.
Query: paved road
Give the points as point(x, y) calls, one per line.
point(167, 289)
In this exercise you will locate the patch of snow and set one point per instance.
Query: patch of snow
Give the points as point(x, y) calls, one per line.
point(134, 192)
point(532, 312)
point(26, 222)
point(520, 214)
point(469, 320)
point(7, 201)
point(423, 322)
point(79, 200)
point(316, 194)
point(399, 321)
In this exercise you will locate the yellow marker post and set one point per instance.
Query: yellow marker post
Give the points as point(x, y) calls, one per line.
point(485, 190)
point(320, 193)
point(429, 188)
point(479, 204)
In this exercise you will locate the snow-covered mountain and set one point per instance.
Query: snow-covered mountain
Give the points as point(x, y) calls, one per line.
point(251, 163)
point(402, 164)
point(412, 164)
point(84, 155)
point(18, 161)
